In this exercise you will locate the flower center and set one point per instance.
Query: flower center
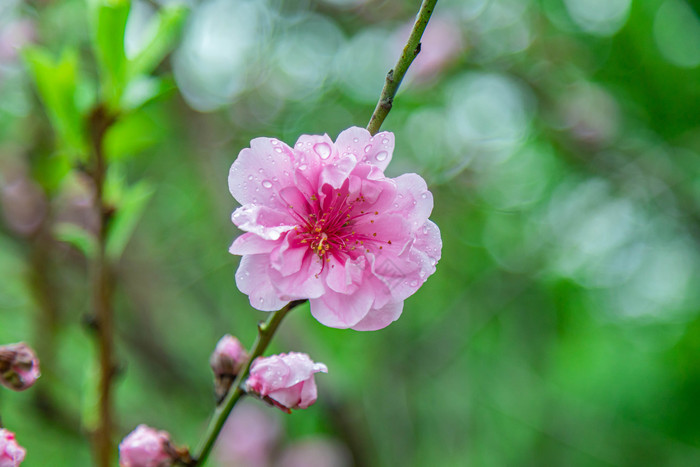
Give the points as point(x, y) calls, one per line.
point(328, 226)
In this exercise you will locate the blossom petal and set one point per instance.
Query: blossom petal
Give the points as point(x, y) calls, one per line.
point(260, 171)
point(252, 279)
point(268, 223)
point(413, 200)
point(251, 244)
point(341, 311)
point(375, 150)
point(380, 318)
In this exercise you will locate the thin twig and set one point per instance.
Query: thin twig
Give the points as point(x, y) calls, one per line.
point(265, 332)
point(395, 76)
point(102, 289)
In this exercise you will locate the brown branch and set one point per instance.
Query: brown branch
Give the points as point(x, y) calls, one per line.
point(102, 290)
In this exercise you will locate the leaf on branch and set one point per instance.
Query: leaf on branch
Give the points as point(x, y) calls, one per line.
point(108, 31)
point(128, 212)
point(165, 29)
point(77, 237)
point(57, 84)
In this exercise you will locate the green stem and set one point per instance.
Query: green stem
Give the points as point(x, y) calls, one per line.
point(395, 76)
point(265, 332)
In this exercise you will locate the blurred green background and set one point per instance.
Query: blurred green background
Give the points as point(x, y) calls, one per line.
point(559, 137)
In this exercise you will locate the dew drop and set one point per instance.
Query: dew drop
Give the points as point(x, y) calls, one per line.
point(278, 150)
point(356, 140)
point(385, 141)
point(381, 156)
point(267, 183)
point(303, 167)
point(414, 283)
point(323, 150)
point(424, 196)
point(260, 170)
point(368, 148)
point(250, 177)
point(274, 142)
point(396, 205)
point(425, 230)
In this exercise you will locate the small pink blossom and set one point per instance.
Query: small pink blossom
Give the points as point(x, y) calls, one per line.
point(323, 222)
point(11, 453)
point(19, 366)
point(287, 379)
point(226, 361)
point(146, 447)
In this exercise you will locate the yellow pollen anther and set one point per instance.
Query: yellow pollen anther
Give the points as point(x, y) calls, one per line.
point(374, 234)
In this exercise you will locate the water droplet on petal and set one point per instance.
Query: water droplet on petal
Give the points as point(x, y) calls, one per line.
point(356, 140)
point(414, 283)
point(267, 183)
point(396, 205)
point(385, 141)
point(381, 156)
point(323, 150)
point(278, 150)
point(303, 167)
point(368, 148)
point(250, 177)
point(425, 230)
point(424, 196)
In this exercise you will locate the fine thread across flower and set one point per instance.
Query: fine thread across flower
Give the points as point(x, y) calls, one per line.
point(323, 222)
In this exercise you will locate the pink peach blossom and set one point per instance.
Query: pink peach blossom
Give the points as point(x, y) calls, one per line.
point(323, 222)
point(19, 366)
point(146, 447)
point(228, 357)
point(288, 379)
point(226, 361)
point(11, 453)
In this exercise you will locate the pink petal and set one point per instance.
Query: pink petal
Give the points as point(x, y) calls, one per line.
point(261, 171)
point(268, 223)
point(413, 199)
point(252, 279)
point(341, 311)
point(380, 318)
point(376, 150)
point(251, 244)
point(309, 394)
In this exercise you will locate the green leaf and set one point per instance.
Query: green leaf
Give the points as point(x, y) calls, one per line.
point(165, 29)
point(56, 82)
point(129, 210)
point(132, 134)
point(49, 170)
point(77, 237)
point(143, 89)
point(109, 27)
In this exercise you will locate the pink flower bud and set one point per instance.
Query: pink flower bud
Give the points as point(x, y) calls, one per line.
point(11, 453)
point(226, 361)
point(19, 366)
point(228, 357)
point(146, 447)
point(287, 379)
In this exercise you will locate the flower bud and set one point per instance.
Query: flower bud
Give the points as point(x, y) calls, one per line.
point(147, 447)
point(226, 361)
point(286, 380)
point(11, 453)
point(19, 366)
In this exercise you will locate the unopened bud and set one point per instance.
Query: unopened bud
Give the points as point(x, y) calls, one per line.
point(19, 366)
point(226, 361)
point(148, 447)
point(11, 453)
point(285, 380)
